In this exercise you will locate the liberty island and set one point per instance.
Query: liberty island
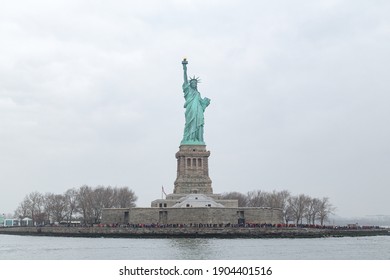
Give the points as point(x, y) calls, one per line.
point(193, 209)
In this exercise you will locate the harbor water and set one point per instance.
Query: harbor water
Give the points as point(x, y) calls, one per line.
point(14, 247)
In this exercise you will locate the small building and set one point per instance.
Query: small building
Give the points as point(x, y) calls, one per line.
point(26, 222)
point(11, 222)
point(353, 226)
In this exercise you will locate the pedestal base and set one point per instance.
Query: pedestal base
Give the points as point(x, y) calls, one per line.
point(192, 170)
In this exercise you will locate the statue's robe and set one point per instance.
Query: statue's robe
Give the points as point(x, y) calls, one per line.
point(195, 107)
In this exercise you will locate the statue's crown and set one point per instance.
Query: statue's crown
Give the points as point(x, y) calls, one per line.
point(195, 79)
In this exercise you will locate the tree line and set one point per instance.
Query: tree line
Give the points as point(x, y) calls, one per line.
point(84, 204)
point(296, 208)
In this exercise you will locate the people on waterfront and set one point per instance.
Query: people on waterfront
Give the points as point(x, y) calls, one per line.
point(232, 225)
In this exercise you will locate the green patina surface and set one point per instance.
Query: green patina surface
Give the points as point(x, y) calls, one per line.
point(195, 106)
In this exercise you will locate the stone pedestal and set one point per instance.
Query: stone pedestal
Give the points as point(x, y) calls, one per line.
point(192, 170)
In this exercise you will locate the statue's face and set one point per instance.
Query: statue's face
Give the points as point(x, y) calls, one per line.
point(193, 83)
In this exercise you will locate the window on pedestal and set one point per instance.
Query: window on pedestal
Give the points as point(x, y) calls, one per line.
point(194, 162)
point(199, 162)
point(188, 162)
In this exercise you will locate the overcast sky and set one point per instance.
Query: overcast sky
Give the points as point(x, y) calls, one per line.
point(90, 93)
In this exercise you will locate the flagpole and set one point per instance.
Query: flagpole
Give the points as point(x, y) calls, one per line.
point(163, 192)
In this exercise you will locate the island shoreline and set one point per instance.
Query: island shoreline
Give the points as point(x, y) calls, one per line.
point(223, 233)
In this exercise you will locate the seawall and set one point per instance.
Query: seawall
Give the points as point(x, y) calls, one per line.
point(191, 232)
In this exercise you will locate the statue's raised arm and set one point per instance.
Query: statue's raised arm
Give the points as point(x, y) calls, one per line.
point(185, 62)
point(195, 106)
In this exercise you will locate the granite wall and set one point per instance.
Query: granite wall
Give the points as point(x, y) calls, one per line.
point(192, 215)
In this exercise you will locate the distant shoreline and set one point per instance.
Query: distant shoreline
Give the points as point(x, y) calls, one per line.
point(230, 232)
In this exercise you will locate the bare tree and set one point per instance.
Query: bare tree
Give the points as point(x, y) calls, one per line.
point(256, 198)
point(297, 207)
point(102, 197)
point(87, 201)
point(123, 197)
point(288, 214)
point(92, 201)
point(55, 207)
point(24, 209)
point(325, 209)
point(242, 199)
point(279, 200)
point(32, 206)
point(312, 210)
point(71, 203)
point(85, 204)
point(37, 206)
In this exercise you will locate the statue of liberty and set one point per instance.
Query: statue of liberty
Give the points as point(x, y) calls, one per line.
point(195, 106)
